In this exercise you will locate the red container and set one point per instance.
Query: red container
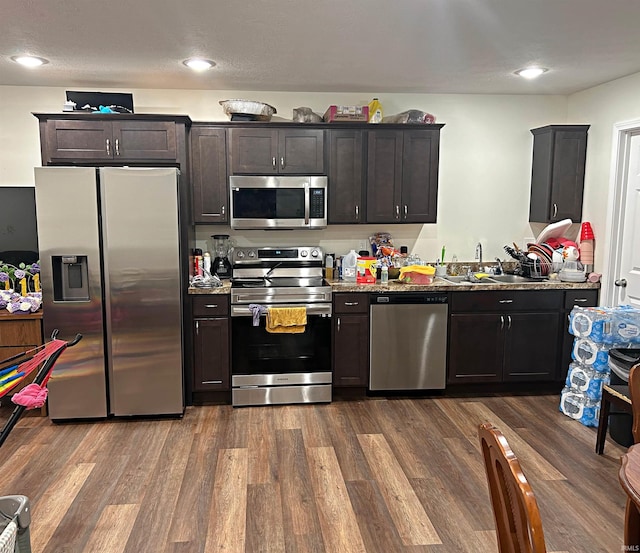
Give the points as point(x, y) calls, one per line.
point(586, 232)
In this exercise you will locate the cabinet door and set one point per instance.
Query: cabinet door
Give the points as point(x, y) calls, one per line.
point(346, 187)
point(144, 140)
point(384, 176)
point(476, 346)
point(254, 151)
point(419, 192)
point(211, 365)
point(209, 175)
point(531, 351)
point(77, 140)
point(351, 350)
point(301, 151)
point(569, 157)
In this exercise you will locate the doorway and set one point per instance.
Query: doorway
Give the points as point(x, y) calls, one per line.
point(621, 284)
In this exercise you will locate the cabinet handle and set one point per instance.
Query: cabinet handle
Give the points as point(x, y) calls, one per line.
point(222, 210)
point(397, 212)
point(405, 211)
point(350, 303)
point(282, 163)
point(273, 163)
point(117, 141)
point(338, 325)
point(357, 213)
point(108, 142)
point(509, 321)
point(580, 300)
point(501, 322)
point(211, 306)
point(505, 301)
point(197, 327)
point(555, 211)
point(212, 381)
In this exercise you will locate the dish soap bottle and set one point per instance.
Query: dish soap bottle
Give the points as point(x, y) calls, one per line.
point(375, 111)
point(349, 266)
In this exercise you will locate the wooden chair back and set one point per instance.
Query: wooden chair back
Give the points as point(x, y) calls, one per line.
point(518, 523)
point(634, 394)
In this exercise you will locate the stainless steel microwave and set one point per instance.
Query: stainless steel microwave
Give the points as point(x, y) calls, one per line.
point(262, 202)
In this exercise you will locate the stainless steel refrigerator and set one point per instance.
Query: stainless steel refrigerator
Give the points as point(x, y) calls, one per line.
point(111, 271)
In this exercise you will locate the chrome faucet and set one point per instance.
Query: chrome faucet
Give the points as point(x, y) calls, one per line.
point(500, 270)
point(479, 256)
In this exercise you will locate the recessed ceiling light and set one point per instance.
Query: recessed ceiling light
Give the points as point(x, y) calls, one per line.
point(199, 64)
point(29, 61)
point(531, 72)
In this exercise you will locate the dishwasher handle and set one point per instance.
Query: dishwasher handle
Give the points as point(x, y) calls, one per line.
point(408, 298)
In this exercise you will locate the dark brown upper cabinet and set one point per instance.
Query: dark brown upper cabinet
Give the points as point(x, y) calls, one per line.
point(209, 174)
point(346, 177)
point(264, 151)
point(557, 176)
point(402, 175)
point(111, 138)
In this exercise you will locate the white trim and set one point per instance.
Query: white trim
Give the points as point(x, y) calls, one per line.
point(615, 208)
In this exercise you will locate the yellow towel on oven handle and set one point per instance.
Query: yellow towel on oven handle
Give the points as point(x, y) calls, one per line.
point(291, 320)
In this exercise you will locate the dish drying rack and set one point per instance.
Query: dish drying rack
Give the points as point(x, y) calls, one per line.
point(527, 267)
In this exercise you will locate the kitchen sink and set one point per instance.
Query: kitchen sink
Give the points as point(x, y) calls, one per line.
point(462, 279)
point(513, 279)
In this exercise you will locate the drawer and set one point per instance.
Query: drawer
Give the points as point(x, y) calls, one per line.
point(580, 298)
point(214, 305)
point(351, 303)
point(507, 300)
point(27, 332)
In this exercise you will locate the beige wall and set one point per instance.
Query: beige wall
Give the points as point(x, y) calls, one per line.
point(485, 160)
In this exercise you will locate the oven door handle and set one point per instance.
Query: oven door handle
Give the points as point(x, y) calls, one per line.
point(313, 309)
point(307, 202)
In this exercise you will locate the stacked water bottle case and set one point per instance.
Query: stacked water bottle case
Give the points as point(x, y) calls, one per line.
point(596, 331)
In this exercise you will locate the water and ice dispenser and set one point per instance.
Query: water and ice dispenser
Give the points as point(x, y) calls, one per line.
point(70, 278)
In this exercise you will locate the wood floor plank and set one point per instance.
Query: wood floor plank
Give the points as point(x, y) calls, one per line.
point(337, 519)
point(112, 529)
point(52, 507)
point(264, 519)
point(227, 523)
point(407, 513)
point(262, 447)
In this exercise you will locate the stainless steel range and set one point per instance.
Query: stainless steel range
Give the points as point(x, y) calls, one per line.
point(277, 368)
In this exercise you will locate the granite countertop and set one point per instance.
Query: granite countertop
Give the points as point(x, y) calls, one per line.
point(438, 285)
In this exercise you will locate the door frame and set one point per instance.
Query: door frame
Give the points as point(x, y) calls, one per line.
point(622, 133)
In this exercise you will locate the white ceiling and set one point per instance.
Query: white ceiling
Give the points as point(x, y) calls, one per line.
point(386, 46)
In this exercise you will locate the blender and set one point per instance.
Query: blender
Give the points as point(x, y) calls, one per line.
point(222, 247)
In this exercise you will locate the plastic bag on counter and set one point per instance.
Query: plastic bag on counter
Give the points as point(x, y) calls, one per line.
point(306, 115)
point(410, 116)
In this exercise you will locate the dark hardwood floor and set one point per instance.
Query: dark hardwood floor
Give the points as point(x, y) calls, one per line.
point(377, 475)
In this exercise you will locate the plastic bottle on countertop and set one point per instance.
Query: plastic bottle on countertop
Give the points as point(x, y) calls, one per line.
point(349, 263)
point(206, 262)
point(384, 274)
point(375, 111)
point(328, 267)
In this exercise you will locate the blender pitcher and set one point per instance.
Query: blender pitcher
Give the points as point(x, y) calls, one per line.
point(221, 247)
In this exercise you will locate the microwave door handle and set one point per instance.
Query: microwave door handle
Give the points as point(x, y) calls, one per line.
point(307, 200)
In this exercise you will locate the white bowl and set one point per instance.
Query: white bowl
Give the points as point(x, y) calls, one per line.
point(259, 110)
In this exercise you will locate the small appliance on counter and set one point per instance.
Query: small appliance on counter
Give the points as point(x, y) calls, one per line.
point(221, 247)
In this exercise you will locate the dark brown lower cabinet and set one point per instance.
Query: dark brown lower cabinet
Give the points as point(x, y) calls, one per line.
point(351, 340)
point(515, 339)
point(211, 365)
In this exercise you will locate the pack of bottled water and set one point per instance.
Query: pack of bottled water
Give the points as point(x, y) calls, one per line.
point(592, 354)
point(608, 325)
point(586, 381)
point(579, 407)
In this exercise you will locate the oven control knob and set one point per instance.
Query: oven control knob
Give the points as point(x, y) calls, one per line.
point(304, 253)
point(314, 253)
point(252, 253)
point(240, 254)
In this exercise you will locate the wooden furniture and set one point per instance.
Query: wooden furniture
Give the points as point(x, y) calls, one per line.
point(346, 177)
point(350, 340)
point(20, 333)
point(211, 347)
point(490, 336)
point(402, 175)
point(557, 175)
point(292, 150)
point(629, 476)
point(518, 522)
point(67, 138)
point(618, 395)
point(210, 190)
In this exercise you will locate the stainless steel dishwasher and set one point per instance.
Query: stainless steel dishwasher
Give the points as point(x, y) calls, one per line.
point(408, 332)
